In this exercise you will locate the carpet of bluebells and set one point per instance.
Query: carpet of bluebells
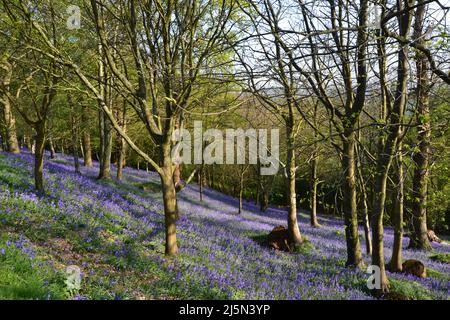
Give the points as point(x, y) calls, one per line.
point(113, 230)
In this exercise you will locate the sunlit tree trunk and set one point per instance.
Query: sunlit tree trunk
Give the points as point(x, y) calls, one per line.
point(86, 140)
point(313, 191)
point(105, 125)
point(74, 131)
point(12, 143)
point(52, 148)
point(122, 145)
point(364, 200)
point(105, 171)
point(170, 200)
point(395, 265)
point(419, 237)
point(354, 255)
point(293, 229)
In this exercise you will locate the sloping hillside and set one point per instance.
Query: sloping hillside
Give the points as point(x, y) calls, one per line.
point(114, 232)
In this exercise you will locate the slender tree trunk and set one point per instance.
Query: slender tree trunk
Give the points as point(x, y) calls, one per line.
point(313, 191)
point(101, 130)
point(39, 158)
point(8, 117)
point(293, 229)
point(52, 148)
point(86, 139)
point(241, 187)
point(364, 202)
point(258, 181)
point(105, 125)
point(366, 222)
point(121, 161)
point(264, 201)
point(387, 148)
point(419, 237)
point(354, 255)
point(200, 181)
point(80, 142)
point(105, 168)
point(10, 125)
point(170, 199)
point(122, 146)
point(395, 264)
point(377, 221)
point(74, 131)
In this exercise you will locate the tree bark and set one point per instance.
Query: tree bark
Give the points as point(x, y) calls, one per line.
point(354, 255)
point(52, 148)
point(293, 229)
point(395, 264)
point(105, 124)
point(39, 158)
point(313, 191)
point(419, 238)
point(364, 201)
point(377, 220)
point(122, 146)
point(105, 167)
point(8, 117)
point(86, 139)
point(200, 181)
point(241, 186)
point(74, 131)
point(366, 222)
point(387, 148)
point(169, 197)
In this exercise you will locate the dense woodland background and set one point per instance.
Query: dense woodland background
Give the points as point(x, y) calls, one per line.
point(360, 96)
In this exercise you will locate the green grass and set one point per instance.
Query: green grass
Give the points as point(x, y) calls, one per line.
point(61, 239)
point(23, 277)
point(437, 275)
point(409, 290)
point(441, 257)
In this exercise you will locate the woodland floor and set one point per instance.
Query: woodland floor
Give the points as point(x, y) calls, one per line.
point(114, 232)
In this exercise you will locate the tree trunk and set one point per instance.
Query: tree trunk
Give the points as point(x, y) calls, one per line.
point(121, 160)
point(39, 158)
point(354, 255)
point(169, 198)
point(264, 201)
point(377, 221)
point(105, 167)
point(86, 139)
point(419, 238)
point(313, 191)
point(12, 143)
point(387, 148)
point(395, 264)
point(101, 131)
point(241, 189)
point(293, 229)
point(366, 223)
point(52, 148)
point(122, 145)
point(74, 130)
point(200, 181)
point(364, 202)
